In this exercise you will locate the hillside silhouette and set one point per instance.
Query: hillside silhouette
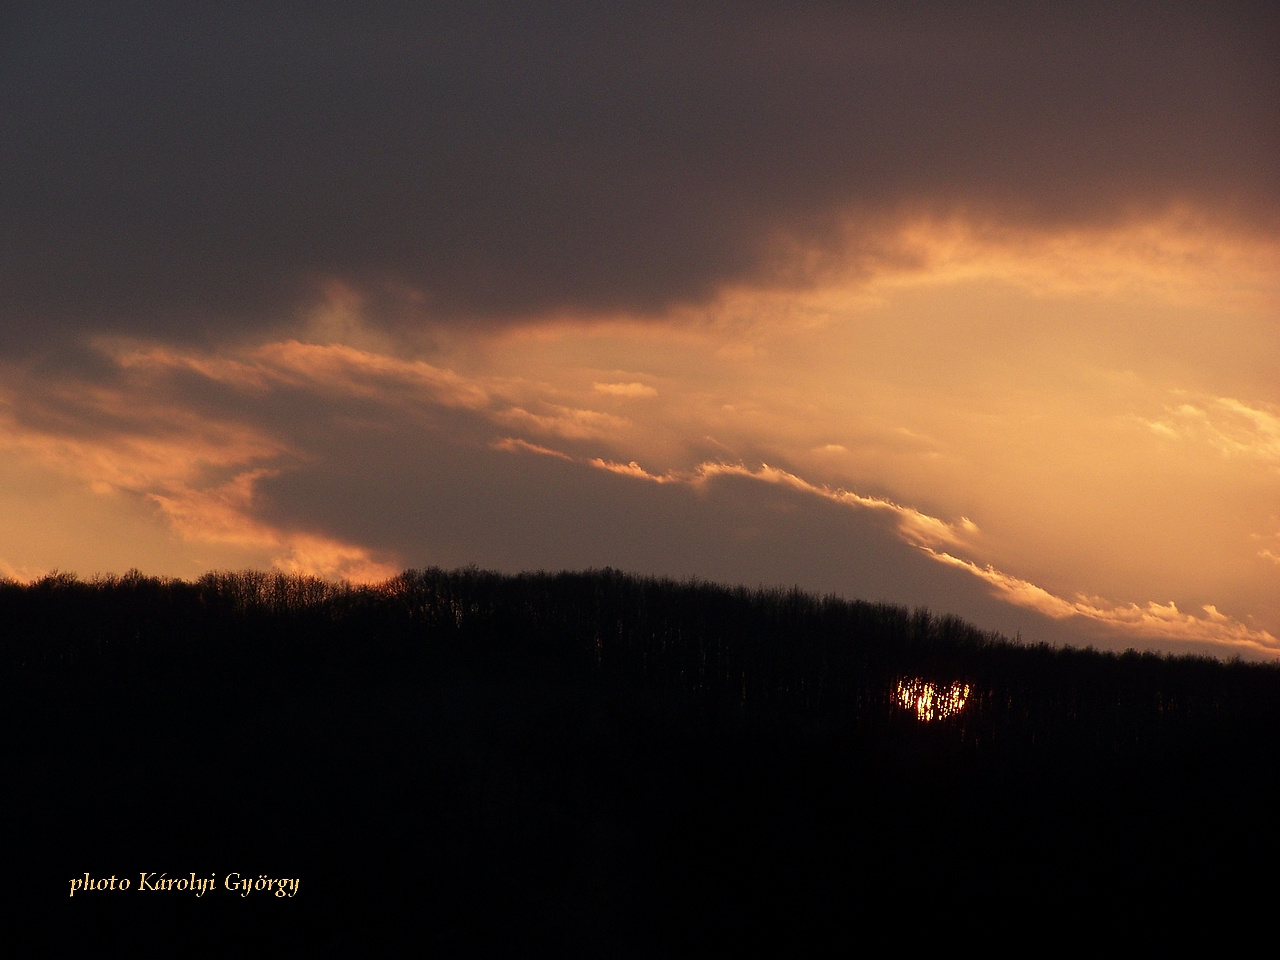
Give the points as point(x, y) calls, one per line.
point(603, 764)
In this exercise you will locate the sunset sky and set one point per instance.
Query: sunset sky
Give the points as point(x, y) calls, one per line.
point(975, 307)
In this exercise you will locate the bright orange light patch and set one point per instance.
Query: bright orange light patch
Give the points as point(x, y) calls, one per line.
point(930, 701)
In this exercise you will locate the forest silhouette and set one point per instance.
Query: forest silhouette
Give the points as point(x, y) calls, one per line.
point(604, 764)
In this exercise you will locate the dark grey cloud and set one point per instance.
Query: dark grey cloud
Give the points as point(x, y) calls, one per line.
point(429, 499)
point(190, 170)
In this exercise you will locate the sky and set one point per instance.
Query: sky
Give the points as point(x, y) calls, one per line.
point(973, 307)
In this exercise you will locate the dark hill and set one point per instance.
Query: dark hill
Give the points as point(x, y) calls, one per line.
point(596, 763)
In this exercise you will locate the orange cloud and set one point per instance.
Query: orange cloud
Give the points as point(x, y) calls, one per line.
point(1183, 255)
point(170, 455)
point(337, 367)
point(915, 528)
point(23, 573)
point(567, 422)
point(513, 444)
point(625, 389)
point(1153, 621)
point(1233, 428)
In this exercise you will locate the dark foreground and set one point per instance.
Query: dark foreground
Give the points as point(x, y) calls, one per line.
point(594, 764)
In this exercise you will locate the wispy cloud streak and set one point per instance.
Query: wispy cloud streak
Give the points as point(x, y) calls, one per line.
point(916, 528)
point(1152, 621)
point(1233, 428)
point(200, 472)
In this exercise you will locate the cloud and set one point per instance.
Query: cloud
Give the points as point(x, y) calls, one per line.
point(915, 527)
point(625, 389)
point(341, 460)
point(309, 283)
point(103, 434)
point(23, 574)
point(514, 444)
point(1152, 621)
point(633, 469)
point(350, 372)
point(225, 515)
point(337, 368)
point(1234, 428)
point(204, 472)
point(171, 172)
point(573, 424)
point(409, 387)
point(120, 441)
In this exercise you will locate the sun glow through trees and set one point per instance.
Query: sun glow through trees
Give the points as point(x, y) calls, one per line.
point(930, 701)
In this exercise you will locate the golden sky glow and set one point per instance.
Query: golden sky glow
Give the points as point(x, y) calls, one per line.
point(1085, 425)
point(968, 308)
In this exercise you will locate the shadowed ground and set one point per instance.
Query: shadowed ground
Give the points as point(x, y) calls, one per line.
point(598, 764)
